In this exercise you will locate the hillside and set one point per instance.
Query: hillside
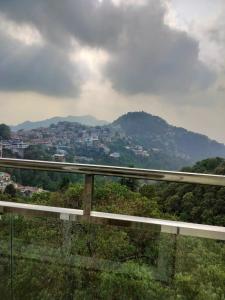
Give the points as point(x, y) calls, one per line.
point(155, 133)
point(193, 202)
point(85, 120)
point(138, 139)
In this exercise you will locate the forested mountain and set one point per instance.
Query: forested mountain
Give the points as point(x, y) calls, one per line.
point(154, 132)
point(85, 120)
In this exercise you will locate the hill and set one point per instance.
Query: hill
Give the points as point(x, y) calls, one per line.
point(137, 138)
point(85, 120)
point(155, 133)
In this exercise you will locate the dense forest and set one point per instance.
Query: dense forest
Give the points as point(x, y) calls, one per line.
point(56, 259)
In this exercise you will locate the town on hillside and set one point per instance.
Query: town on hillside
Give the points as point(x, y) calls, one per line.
point(74, 139)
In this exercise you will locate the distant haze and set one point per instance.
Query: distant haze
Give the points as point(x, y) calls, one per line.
point(85, 120)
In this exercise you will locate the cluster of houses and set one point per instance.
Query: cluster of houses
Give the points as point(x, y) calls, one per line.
point(64, 136)
point(5, 180)
point(15, 145)
point(138, 150)
point(65, 133)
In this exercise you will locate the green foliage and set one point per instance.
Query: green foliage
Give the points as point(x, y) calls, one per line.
point(131, 183)
point(116, 198)
point(10, 190)
point(148, 191)
point(64, 183)
point(73, 196)
point(196, 203)
point(5, 132)
point(134, 282)
point(37, 152)
point(200, 269)
point(212, 165)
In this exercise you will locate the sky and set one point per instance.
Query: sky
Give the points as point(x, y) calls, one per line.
point(108, 57)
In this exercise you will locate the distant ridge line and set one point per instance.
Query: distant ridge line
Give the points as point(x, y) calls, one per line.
point(87, 120)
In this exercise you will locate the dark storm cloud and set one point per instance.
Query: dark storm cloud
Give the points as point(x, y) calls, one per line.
point(146, 56)
point(159, 60)
point(89, 21)
point(43, 69)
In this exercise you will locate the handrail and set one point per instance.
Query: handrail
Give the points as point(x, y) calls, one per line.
point(137, 173)
point(165, 226)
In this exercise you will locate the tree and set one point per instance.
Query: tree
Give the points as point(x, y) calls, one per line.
point(148, 190)
point(5, 132)
point(64, 184)
point(37, 152)
point(194, 202)
point(10, 190)
point(131, 183)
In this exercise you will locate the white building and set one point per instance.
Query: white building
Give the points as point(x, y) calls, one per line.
point(59, 157)
point(5, 179)
point(115, 155)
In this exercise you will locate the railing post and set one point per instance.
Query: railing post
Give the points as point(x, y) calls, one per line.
point(174, 257)
point(11, 254)
point(88, 194)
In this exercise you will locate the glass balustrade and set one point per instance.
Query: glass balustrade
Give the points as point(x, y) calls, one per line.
point(49, 257)
point(96, 241)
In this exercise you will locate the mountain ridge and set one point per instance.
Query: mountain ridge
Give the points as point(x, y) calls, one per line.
point(84, 120)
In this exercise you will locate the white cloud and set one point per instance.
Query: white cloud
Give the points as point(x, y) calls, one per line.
point(26, 34)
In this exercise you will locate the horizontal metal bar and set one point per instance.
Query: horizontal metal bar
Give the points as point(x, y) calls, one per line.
point(13, 206)
point(114, 171)
point(166, 226)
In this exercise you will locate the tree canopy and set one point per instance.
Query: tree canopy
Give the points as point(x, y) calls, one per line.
point(5, 132)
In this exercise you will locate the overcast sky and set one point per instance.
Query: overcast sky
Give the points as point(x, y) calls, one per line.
point(108, 57)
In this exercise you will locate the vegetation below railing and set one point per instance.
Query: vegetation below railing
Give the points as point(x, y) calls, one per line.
point(186, 202)
point(56, 259)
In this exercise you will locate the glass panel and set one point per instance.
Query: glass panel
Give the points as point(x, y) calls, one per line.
point(6, 227)
point(200, 268)
point(39, 268)
point(61, 259)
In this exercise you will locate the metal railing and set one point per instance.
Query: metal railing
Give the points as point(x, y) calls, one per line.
point(89, 169)
point(173, 227)
point(166, 226)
